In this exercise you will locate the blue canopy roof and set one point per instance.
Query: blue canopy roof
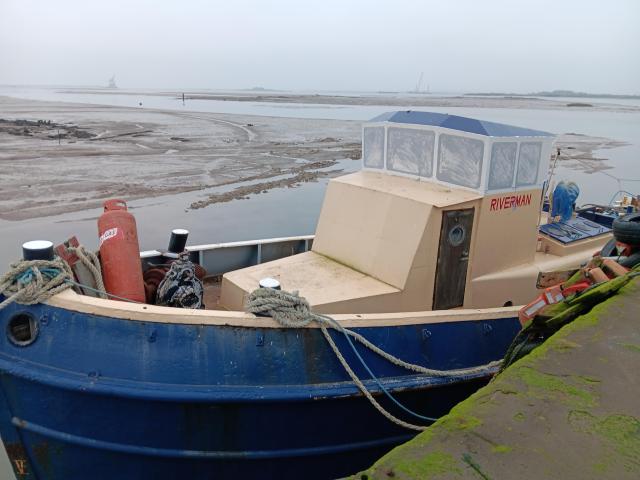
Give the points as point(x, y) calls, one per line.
point(463, 124)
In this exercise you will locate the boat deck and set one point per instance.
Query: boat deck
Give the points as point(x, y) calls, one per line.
point(212, 288)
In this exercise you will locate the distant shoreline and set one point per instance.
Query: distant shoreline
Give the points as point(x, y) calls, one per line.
point(556, 94)
point(398, 101)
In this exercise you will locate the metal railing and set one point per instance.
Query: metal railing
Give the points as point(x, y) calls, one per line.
point(218, 258)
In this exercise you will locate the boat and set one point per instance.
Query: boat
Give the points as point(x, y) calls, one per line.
point(607, 214)
point(428, 251)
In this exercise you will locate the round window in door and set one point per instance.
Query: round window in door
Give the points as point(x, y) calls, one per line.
point(457, 234)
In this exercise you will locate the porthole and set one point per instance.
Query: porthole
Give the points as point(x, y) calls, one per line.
point(456, 235)
point(22, 329)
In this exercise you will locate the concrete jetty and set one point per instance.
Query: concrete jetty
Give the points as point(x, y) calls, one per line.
point(570, 409)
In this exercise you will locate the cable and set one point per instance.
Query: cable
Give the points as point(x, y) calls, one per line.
point(366, 367)
point(101, 292)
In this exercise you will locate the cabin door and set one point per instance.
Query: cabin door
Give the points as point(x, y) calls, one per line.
point(453, 258)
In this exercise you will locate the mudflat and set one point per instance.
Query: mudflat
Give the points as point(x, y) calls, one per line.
point(62, 157)
point(395, 99)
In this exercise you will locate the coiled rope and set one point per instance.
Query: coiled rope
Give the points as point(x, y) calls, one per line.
point(292, 311)
point(34, 281)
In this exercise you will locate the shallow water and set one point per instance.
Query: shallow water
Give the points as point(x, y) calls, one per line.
point(279, 213)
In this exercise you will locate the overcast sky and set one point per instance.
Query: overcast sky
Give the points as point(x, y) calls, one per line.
point(461, 46)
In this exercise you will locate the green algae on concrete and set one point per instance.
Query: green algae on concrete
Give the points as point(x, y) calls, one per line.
point(501, 449)
point(460, 418)
point(632, 347)
point(543, 385)
point(569, 409)
point(619, 434)
point(433, 465)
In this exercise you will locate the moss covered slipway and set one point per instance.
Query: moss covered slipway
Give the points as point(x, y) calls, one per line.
point(568, 410)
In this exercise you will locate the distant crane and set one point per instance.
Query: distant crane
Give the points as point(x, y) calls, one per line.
point(419, 84)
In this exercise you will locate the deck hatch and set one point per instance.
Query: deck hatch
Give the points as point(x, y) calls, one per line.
point(573, 230)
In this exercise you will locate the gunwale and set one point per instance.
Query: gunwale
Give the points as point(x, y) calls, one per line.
point(72, 301)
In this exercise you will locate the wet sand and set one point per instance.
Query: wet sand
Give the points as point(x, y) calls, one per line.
point(576, 151)
point(64, 157)
point(78, 155)
point(417, 100)
point(402, 99)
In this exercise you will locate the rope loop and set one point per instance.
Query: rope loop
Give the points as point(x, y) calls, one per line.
point(291, 310)
point(34, 281)
point(287, 308)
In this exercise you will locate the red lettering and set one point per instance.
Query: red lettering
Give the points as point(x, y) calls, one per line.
point(510, 201)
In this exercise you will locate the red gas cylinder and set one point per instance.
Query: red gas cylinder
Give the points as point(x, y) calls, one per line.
point(119, 252)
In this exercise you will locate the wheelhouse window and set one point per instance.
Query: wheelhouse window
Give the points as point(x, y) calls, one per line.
point(503, 165)
point(373, 147)
point(410, 151)
point(528, 163)
point(460, 160)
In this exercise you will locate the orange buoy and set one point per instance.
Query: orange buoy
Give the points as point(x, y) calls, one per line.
point(120, 252)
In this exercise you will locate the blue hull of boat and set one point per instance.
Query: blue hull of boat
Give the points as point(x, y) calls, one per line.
point(104, 398)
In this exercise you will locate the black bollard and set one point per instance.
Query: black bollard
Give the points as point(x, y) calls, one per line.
point(178, 240)
point(37, 250)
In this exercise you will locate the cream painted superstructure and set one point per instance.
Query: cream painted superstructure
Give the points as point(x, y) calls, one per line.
point(376, 249)
point(381, 243)
point(371, 251)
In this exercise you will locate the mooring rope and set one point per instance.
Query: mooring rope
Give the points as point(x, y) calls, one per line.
point(34, 281)
point(292, 311)
point(91, 261)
